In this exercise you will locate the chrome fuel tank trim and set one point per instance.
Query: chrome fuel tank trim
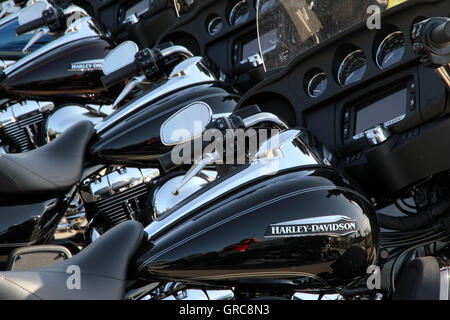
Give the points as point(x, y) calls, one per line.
point(82, 29)
point(188, 73)
point(292, 155)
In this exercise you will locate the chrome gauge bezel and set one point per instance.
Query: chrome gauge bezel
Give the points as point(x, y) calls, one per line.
point(345, 62)
point(382, 46)
point(311, 82)
point(234, 11)
point(210, 23)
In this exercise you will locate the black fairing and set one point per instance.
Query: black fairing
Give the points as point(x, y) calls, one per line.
point(49, 76)
point(224, 242)
point(136, 140)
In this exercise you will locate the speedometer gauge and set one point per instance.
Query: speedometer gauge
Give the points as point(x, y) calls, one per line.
point(352, 68)
point(214, 25)
point(317, 85)
point(239, 14)
point(391, 50)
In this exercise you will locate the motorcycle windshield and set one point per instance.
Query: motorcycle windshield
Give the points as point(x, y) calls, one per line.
point(287, 28)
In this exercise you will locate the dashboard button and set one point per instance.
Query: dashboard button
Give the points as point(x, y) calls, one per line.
point(346, 133)
point(347, 116)
point(412, 103)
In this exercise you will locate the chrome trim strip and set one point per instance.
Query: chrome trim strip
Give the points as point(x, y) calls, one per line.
point(444, 281)
point(189, 72)
point(444, 74)
point(318, 220)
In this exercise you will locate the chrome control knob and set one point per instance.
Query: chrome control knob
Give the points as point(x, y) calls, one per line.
point(377, 135)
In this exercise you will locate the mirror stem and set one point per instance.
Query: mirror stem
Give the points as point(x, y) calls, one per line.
point(130, 86)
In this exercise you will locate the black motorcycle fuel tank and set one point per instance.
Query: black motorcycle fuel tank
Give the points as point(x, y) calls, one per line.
point(308, 224)
point(72, 71)
point(135, 140)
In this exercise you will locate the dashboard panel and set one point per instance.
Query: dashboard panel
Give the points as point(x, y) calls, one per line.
point(114, 15)
point(358, 80)
point(224, 31)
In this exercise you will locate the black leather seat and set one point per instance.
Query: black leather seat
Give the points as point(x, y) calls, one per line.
point(51, 169)
point(103, 269)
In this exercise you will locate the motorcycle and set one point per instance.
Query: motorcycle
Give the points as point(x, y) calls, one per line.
point(363, 91)
point(121, 169)
point(232, 196)
point(12, 46)
point(225, 235)
point(151, 80)
point(65, 73)
point(225, 240)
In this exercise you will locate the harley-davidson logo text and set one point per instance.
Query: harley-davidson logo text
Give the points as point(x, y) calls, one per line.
point(86, 66)
point(342, 227)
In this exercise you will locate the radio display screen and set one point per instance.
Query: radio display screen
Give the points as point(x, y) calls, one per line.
point(383, 110)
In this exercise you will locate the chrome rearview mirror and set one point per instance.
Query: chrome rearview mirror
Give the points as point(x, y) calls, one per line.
point(32, 13)
point(120, 57)
point(187, 124)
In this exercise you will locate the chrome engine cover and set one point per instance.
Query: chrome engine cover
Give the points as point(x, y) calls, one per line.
point(120, 193)
point(117, 193)
point(27, 126)
point(66, 116)
point(20, 122)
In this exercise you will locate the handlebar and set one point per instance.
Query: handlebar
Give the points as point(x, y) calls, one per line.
point(54, 18)
point(120, 75)
point(30, 26)
point(149, 61)
point(243, 118)
point(440, 35)
point(431, 41)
